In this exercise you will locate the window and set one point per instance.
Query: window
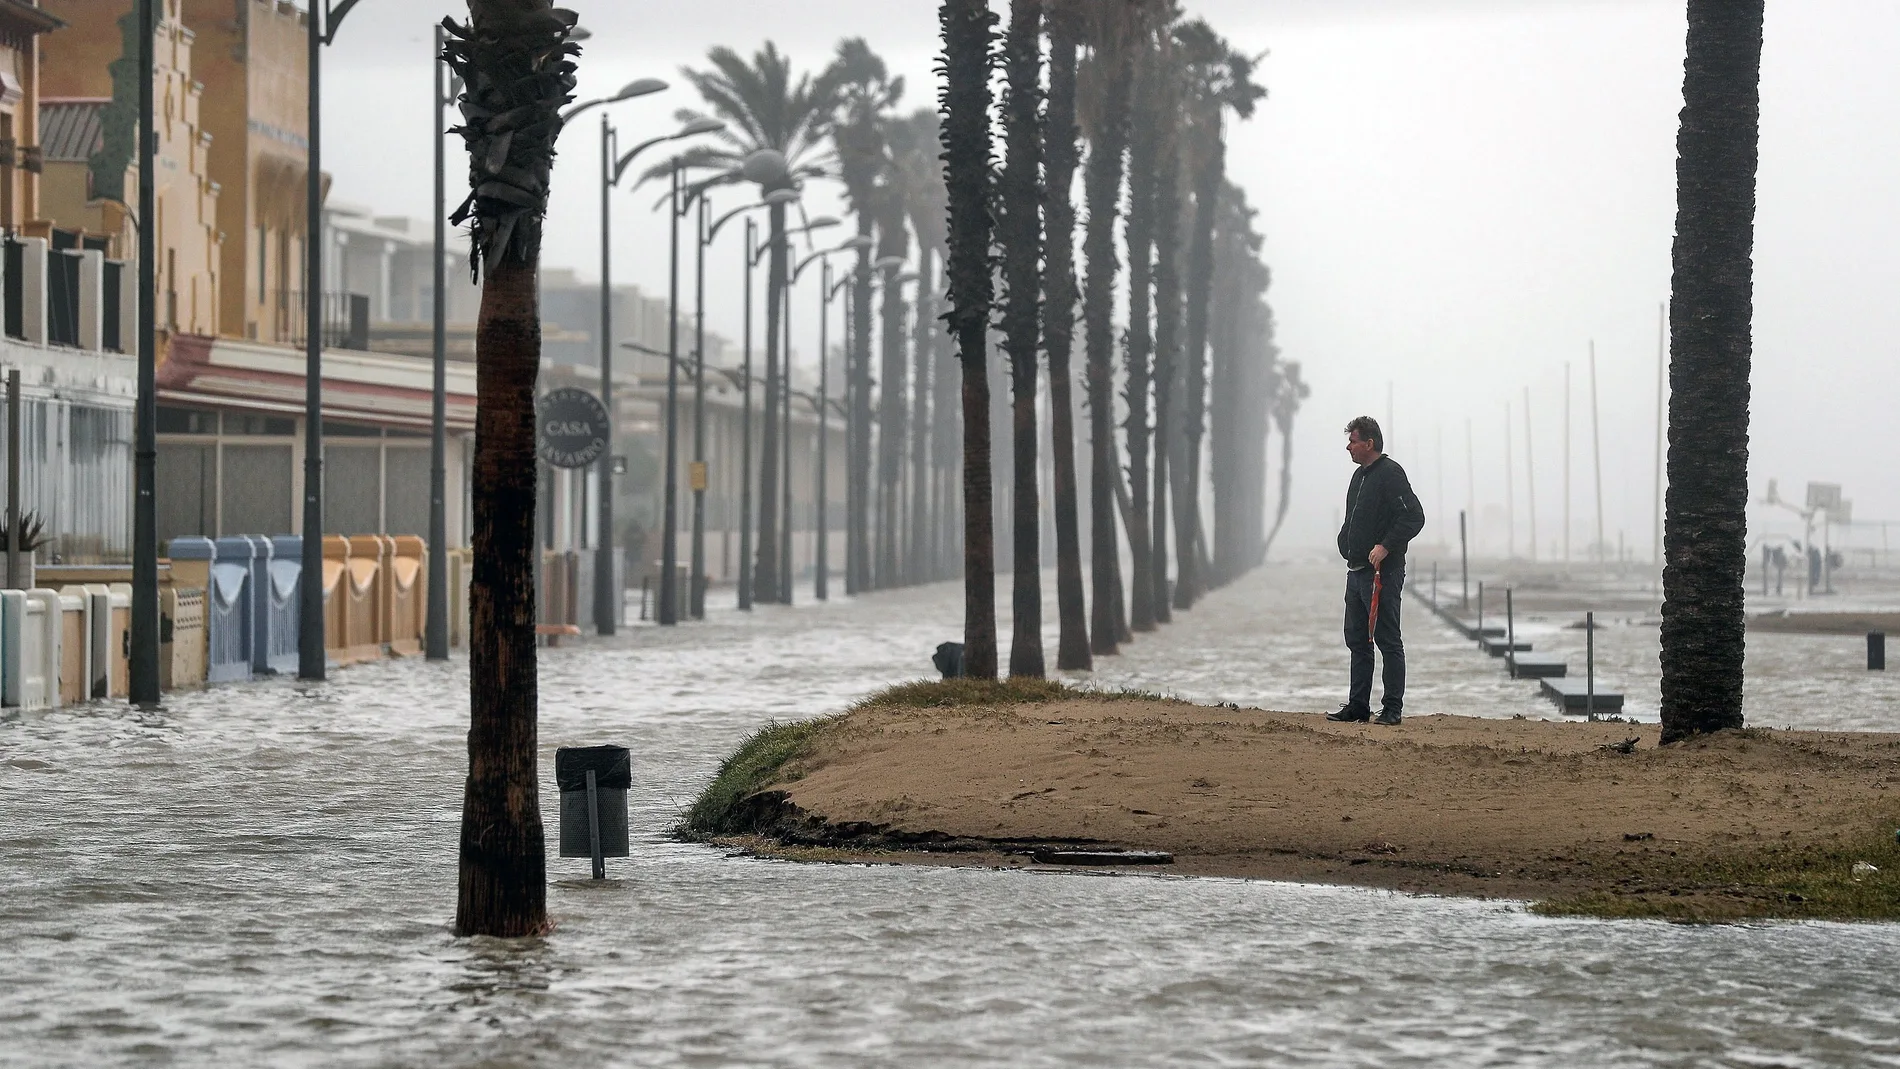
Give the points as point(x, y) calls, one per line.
point(186, 421)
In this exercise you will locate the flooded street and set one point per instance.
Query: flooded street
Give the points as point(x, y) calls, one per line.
point(264, 875)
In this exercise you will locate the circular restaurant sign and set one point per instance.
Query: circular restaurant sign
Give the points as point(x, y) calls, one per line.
point(573, 427)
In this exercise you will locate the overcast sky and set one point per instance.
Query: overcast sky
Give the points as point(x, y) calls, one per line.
point(1458, 197)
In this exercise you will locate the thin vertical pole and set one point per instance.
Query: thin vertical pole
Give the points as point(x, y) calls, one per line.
point(785, 444)
point(1464, 566)
point(1596, 447)
point(1566, 462)
point(1530, 473)
point(745, 432)
point(1441, 484)
point(670, 536)
point(1510, 494)
point(1662, 391)
point(310, 656)
point(820, 565)
point(16, 573)
point(436, 626)
point(696, 582)
point(1510, 634)
point(1590, 664)
point(1471, 478)
point(144, 666)
point(607, 603)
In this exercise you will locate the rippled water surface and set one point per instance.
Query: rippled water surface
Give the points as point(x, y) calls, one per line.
point(263, 875)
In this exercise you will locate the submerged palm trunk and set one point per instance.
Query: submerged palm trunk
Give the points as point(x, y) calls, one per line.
point(1103, 185)
point(1020, 230)
point(511, 55)
point(1711, 348)
point(766, 580)
point(968, 29)
point(1072, 649)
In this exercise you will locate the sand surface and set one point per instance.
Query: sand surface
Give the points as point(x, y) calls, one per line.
point(1518, 808)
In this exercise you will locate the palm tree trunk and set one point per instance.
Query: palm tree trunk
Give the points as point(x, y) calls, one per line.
point(510, 50)
point(1102, 184)
point(1285, 421)
point(918, 562)
point(945, 452)
point(1072, 647)
point(892, 241)
point(1193, 401)
point(1020, 231)
point(766, 585)
point(1167, 312)
point(1711, 347)
point(1143, 170)
point(968, 30)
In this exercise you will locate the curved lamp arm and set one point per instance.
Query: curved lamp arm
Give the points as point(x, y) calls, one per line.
point(639, 87)
point(697, 126)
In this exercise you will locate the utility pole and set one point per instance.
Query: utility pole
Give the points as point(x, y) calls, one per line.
point(436, 626)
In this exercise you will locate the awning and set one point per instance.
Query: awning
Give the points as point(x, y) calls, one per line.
point(380, 389)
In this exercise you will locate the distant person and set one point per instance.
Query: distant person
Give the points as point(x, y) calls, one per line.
point(1382, 516)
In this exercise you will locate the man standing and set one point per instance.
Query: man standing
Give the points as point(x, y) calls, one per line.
point(1382, 515)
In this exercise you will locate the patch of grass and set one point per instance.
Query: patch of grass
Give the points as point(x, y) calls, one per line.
point(759, 761)
point(939, 693)
point(1797, 883)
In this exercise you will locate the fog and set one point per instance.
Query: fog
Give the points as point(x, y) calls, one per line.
point(1458, 198)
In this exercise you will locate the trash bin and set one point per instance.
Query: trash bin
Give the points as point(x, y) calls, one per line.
point(593, 781)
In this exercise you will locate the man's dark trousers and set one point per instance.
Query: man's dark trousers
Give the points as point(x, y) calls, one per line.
point(1391, 647)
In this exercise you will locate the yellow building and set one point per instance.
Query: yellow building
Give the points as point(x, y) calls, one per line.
point(89, 109)
point(21, 24)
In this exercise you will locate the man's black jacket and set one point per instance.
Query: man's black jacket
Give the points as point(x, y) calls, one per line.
point(1381, 510)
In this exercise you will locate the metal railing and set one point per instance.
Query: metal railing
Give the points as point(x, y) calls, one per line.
point(345, 319)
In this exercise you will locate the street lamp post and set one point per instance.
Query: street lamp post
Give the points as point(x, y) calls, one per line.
point(827, 289)
point(669, 535)
point(613, 166)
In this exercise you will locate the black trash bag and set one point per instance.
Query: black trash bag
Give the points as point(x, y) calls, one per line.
point(949, 659)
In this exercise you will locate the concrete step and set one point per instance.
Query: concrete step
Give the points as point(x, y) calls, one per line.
point(1570, 696)
point(1498, 646)
point(1535, 666)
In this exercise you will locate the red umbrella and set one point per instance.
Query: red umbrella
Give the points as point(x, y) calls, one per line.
point(1372, 617)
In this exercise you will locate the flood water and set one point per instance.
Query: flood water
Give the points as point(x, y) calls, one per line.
point(264, 875)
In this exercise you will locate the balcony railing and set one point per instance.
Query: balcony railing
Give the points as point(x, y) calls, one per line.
point(345, 319)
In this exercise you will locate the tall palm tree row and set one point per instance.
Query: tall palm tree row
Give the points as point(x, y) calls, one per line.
point(969, 33)
point(777, 132)
point(866, 91)
point(914, 147)
point(1020, 230)
point(517, 64)
point(1711, 315)
point(1167, 308)
point(1218, 79)
point(1243, 379)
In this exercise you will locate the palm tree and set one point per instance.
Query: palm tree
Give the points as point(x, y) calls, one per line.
point(1240, 340)
point(1144, 167)
point(1167, 312)
point(1066, 28)
point(1115, 29)
point(866, 93)
point(919, 175)
point(1287, 397)
point(1020, 232)
point(969, 28)
point(1711, 345)
point(514, 58)
point(1218, 79)
point(770, 114)
point(893, 246)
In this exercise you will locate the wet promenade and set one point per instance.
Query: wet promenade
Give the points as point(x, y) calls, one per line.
point(263, 875)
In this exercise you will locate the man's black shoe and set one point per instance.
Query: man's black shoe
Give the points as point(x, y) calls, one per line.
point(1348, 714)
point(1387, 717)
